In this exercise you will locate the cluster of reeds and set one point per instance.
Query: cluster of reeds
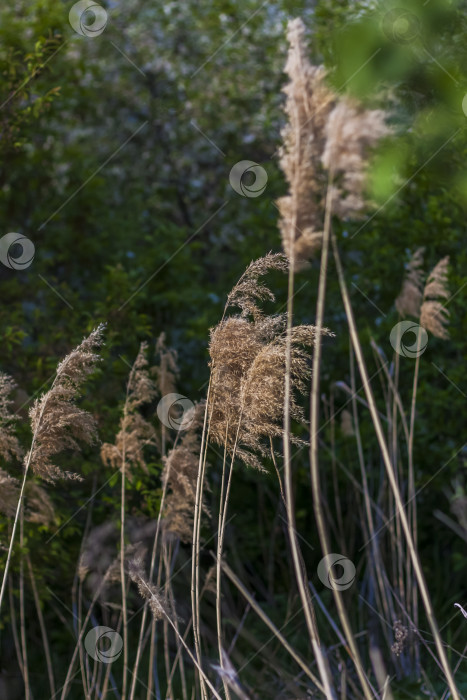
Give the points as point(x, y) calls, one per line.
point(262, 367)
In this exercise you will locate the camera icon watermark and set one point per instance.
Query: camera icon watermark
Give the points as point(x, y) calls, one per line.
point(88, 18)
point(409, 347)
point(16, 251)
point(175, 411)
point(329, 576)
point(464, 105)
point(103, 644)
point(401, 26)
point(241, 175)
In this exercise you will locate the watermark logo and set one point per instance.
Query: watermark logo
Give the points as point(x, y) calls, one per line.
point(409, 339)
point(401, 26)
point(248, 178)
point(175, 411)
point(336, 572)
point(103, 644)
point(88, 18)
point(464, 105)
point(16, 251)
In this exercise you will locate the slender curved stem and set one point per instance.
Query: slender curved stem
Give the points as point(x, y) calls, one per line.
point(391, 476)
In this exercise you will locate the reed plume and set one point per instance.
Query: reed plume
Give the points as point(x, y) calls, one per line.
point(410, 298)
point(351, 132)
point(57, 422)
point(135, 431)
point(179, 477)
point(308, 106)
point(433, 314)
point(249, 289)
point(9, 445)
point(324, 132)
point(247, 382)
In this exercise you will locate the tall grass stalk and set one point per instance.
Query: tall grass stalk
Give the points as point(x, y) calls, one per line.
point(391, 476)
point(314, 429)
point(297, 559)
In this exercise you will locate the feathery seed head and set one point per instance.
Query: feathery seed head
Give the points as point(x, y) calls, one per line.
point(410, 298)
point(57, 423)
point(434, 316)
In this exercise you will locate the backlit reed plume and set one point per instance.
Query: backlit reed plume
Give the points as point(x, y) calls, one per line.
point(179, 477)
point(135, 431)
point(308, 105)
point(324, 133)
point(56, 421)
point(434, 315)
point(351, 132)
point(249, 289)
point(247, 377)
point(9, 445)
point(410, 298)
point(58, 424)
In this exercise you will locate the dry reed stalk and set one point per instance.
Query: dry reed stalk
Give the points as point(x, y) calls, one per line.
point(112, 574)
point(433, 317)
point(45, 639)
point(14, 626)
point(166, 372)
point(161, 609)
point(376, 564)
point(303, 665)
point(322, 133)
point(126, 455)
point(391, 476)
point(22, 613)
point(57, 422)
point(248, 361)
point(195, 594)
point(314, 429)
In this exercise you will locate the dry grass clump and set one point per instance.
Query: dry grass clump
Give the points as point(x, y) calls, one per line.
point(56, 421)
point(179, 477)
point(433, 315)
point(135, 431)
